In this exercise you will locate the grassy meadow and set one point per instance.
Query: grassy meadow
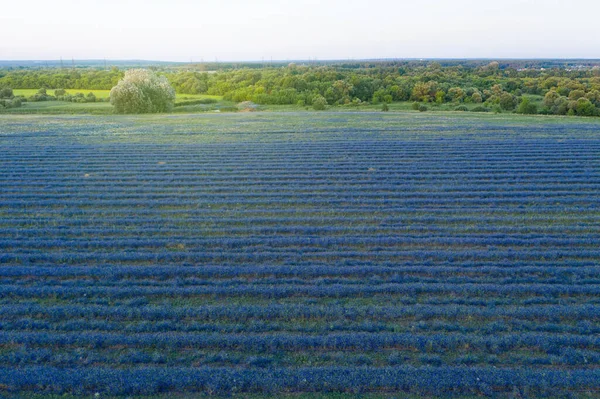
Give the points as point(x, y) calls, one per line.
point(220, 105)
point(105, 93)
point(30, 92)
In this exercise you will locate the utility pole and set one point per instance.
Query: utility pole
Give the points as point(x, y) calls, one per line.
point(61, 63)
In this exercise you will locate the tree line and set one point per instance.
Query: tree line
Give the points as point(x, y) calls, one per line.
point(490, 86)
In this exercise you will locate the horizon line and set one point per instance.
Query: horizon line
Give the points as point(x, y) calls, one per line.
point(308, 59)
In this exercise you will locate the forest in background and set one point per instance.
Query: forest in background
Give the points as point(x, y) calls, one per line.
point(528, 87)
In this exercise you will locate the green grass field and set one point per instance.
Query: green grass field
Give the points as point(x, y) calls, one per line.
point(106, 93)
point(31, 92)
point(104, 108)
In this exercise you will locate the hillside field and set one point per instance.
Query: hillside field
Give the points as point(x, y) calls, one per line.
point(385, 254)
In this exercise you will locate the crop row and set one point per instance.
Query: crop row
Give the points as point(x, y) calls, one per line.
point(169, 272)
point(551, 343)
point(285, 312)
point(581, 241)
point(295, 290)
point(213, 380)
point(265, 253)
point(303, 227)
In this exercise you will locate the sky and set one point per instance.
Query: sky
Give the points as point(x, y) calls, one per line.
point(235, 30)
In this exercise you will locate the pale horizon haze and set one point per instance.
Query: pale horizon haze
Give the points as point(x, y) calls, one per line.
point(184, 30)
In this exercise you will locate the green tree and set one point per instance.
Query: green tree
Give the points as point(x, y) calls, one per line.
point(440, 96)
point(6, 92)
point(576, 94)
point(423, 91)
point(527, 107)
point(142, 91)
point(584, 107)
point(457, 94)
point(550, 98)
point(507, 102)
point(319, 103)
point(561, 106)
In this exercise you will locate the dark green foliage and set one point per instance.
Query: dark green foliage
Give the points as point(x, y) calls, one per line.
point(461, 108)
point(415, 106)
point(480, 109)
point(41, 96)
point(584, 107)
point(508, 102)
point(352, 83)
point(90, 79)
point(385, 107)
point(78, 97)
point(319, 103)
point(527, 107)
point(422, 108)
point(15, 102)
point(6, 92)
point(560, 106)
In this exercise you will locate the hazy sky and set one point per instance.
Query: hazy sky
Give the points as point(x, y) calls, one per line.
point(180, 30)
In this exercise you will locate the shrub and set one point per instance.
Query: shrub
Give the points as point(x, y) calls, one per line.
point(319, 103)
point(477, 98)
point(480, 109)
point(422, 108)
point(385, 107)
point(416, 106)
point(60, 92)
point(561, 106)
point(584, 107)
point(527, 107)
point(576, 94)
point(7, 103)
point(550, 98)
point(461, 108)
point(6, 92)
point(508, 101)
point(40, 96)
point(142, 91)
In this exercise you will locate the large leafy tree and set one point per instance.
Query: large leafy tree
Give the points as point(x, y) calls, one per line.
point(142, 91)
